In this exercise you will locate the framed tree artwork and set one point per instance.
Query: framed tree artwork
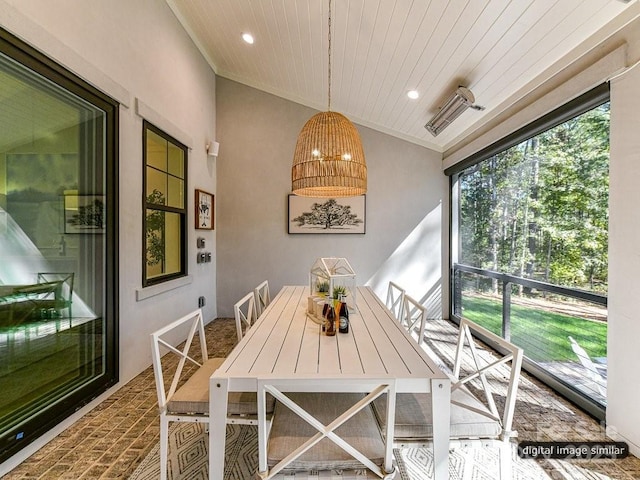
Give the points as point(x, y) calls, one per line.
point(84, 213)
point(326, 215)
point(204, 214)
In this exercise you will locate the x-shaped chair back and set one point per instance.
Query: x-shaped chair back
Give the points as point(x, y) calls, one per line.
point(63, 295)
point(196, 326)
point(278, 388)
point(66, 278)
point(480, 366)
point(263, 299)
point(414, 314)
point(187, 399)
point(395, 300)
point(245, 313)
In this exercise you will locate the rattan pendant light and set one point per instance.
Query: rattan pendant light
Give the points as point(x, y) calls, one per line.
point(329, 158)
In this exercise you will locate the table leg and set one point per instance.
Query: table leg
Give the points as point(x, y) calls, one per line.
point(262, 433)
point(389, 434)
point(218, 399)
point(441, 412)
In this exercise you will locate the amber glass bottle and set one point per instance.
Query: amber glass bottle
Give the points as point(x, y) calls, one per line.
point(330, 328)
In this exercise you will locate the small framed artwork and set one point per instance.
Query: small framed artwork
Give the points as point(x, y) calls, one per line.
point(327, 215)
point(84, 214)
point(204, 210)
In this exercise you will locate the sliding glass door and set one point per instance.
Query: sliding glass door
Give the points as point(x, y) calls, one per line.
point(57, 244)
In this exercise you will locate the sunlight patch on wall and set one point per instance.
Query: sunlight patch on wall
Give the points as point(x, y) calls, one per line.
point(20, 260)
point(416, 265)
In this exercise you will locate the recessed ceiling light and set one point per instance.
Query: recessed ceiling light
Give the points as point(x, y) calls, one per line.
point(247, 37)
point(413, 94)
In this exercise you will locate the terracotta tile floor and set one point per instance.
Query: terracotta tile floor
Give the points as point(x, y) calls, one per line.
point(111, 440)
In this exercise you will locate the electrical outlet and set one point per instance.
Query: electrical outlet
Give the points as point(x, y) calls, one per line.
point(201, 302)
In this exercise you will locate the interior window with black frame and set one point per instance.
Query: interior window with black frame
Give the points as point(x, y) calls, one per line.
point(165, 206)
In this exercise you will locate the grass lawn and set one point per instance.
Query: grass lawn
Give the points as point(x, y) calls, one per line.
point(541, 333)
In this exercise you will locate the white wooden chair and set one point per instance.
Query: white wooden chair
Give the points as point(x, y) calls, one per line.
point(414, 316)
point(63, 296)
point(318, 431)
point(245, 313)
point(395, 300)
point(594, 372)
point(188, 401)
point(475, 419)
point(263, 299)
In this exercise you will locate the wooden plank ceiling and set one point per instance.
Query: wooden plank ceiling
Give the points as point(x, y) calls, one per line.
point(381, 49)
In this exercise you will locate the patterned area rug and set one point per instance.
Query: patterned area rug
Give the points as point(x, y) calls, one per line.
point(188, 457)
point(466, 463)
point(188, 446)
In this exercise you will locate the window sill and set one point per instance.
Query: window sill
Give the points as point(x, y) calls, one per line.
point(148, 292)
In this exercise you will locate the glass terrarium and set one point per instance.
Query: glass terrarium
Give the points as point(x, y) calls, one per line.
point(333, 277)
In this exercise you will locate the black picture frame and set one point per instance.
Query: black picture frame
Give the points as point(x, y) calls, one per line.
point(84, 214)
point(204, 210)
point(307, 215)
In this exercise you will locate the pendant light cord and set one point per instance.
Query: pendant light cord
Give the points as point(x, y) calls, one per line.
point(328, 161)
point(329, 108)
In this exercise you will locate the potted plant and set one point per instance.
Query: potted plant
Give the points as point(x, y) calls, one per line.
point(339, 290)
point(322, 287)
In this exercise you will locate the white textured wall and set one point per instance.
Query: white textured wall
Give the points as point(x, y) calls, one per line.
point(623, 354)
point(407, 202)
point(137, 52)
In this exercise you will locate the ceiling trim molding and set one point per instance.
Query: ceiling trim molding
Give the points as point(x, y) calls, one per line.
point(194, 38)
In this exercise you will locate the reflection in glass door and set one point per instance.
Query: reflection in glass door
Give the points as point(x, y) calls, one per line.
point(56, 246)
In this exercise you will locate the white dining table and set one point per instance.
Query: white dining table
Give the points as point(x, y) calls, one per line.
point(287, 343)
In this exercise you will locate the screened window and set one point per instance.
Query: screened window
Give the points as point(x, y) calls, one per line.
point(165, 206)
point(540, 208)
point(58, 244)
point(530, 243)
